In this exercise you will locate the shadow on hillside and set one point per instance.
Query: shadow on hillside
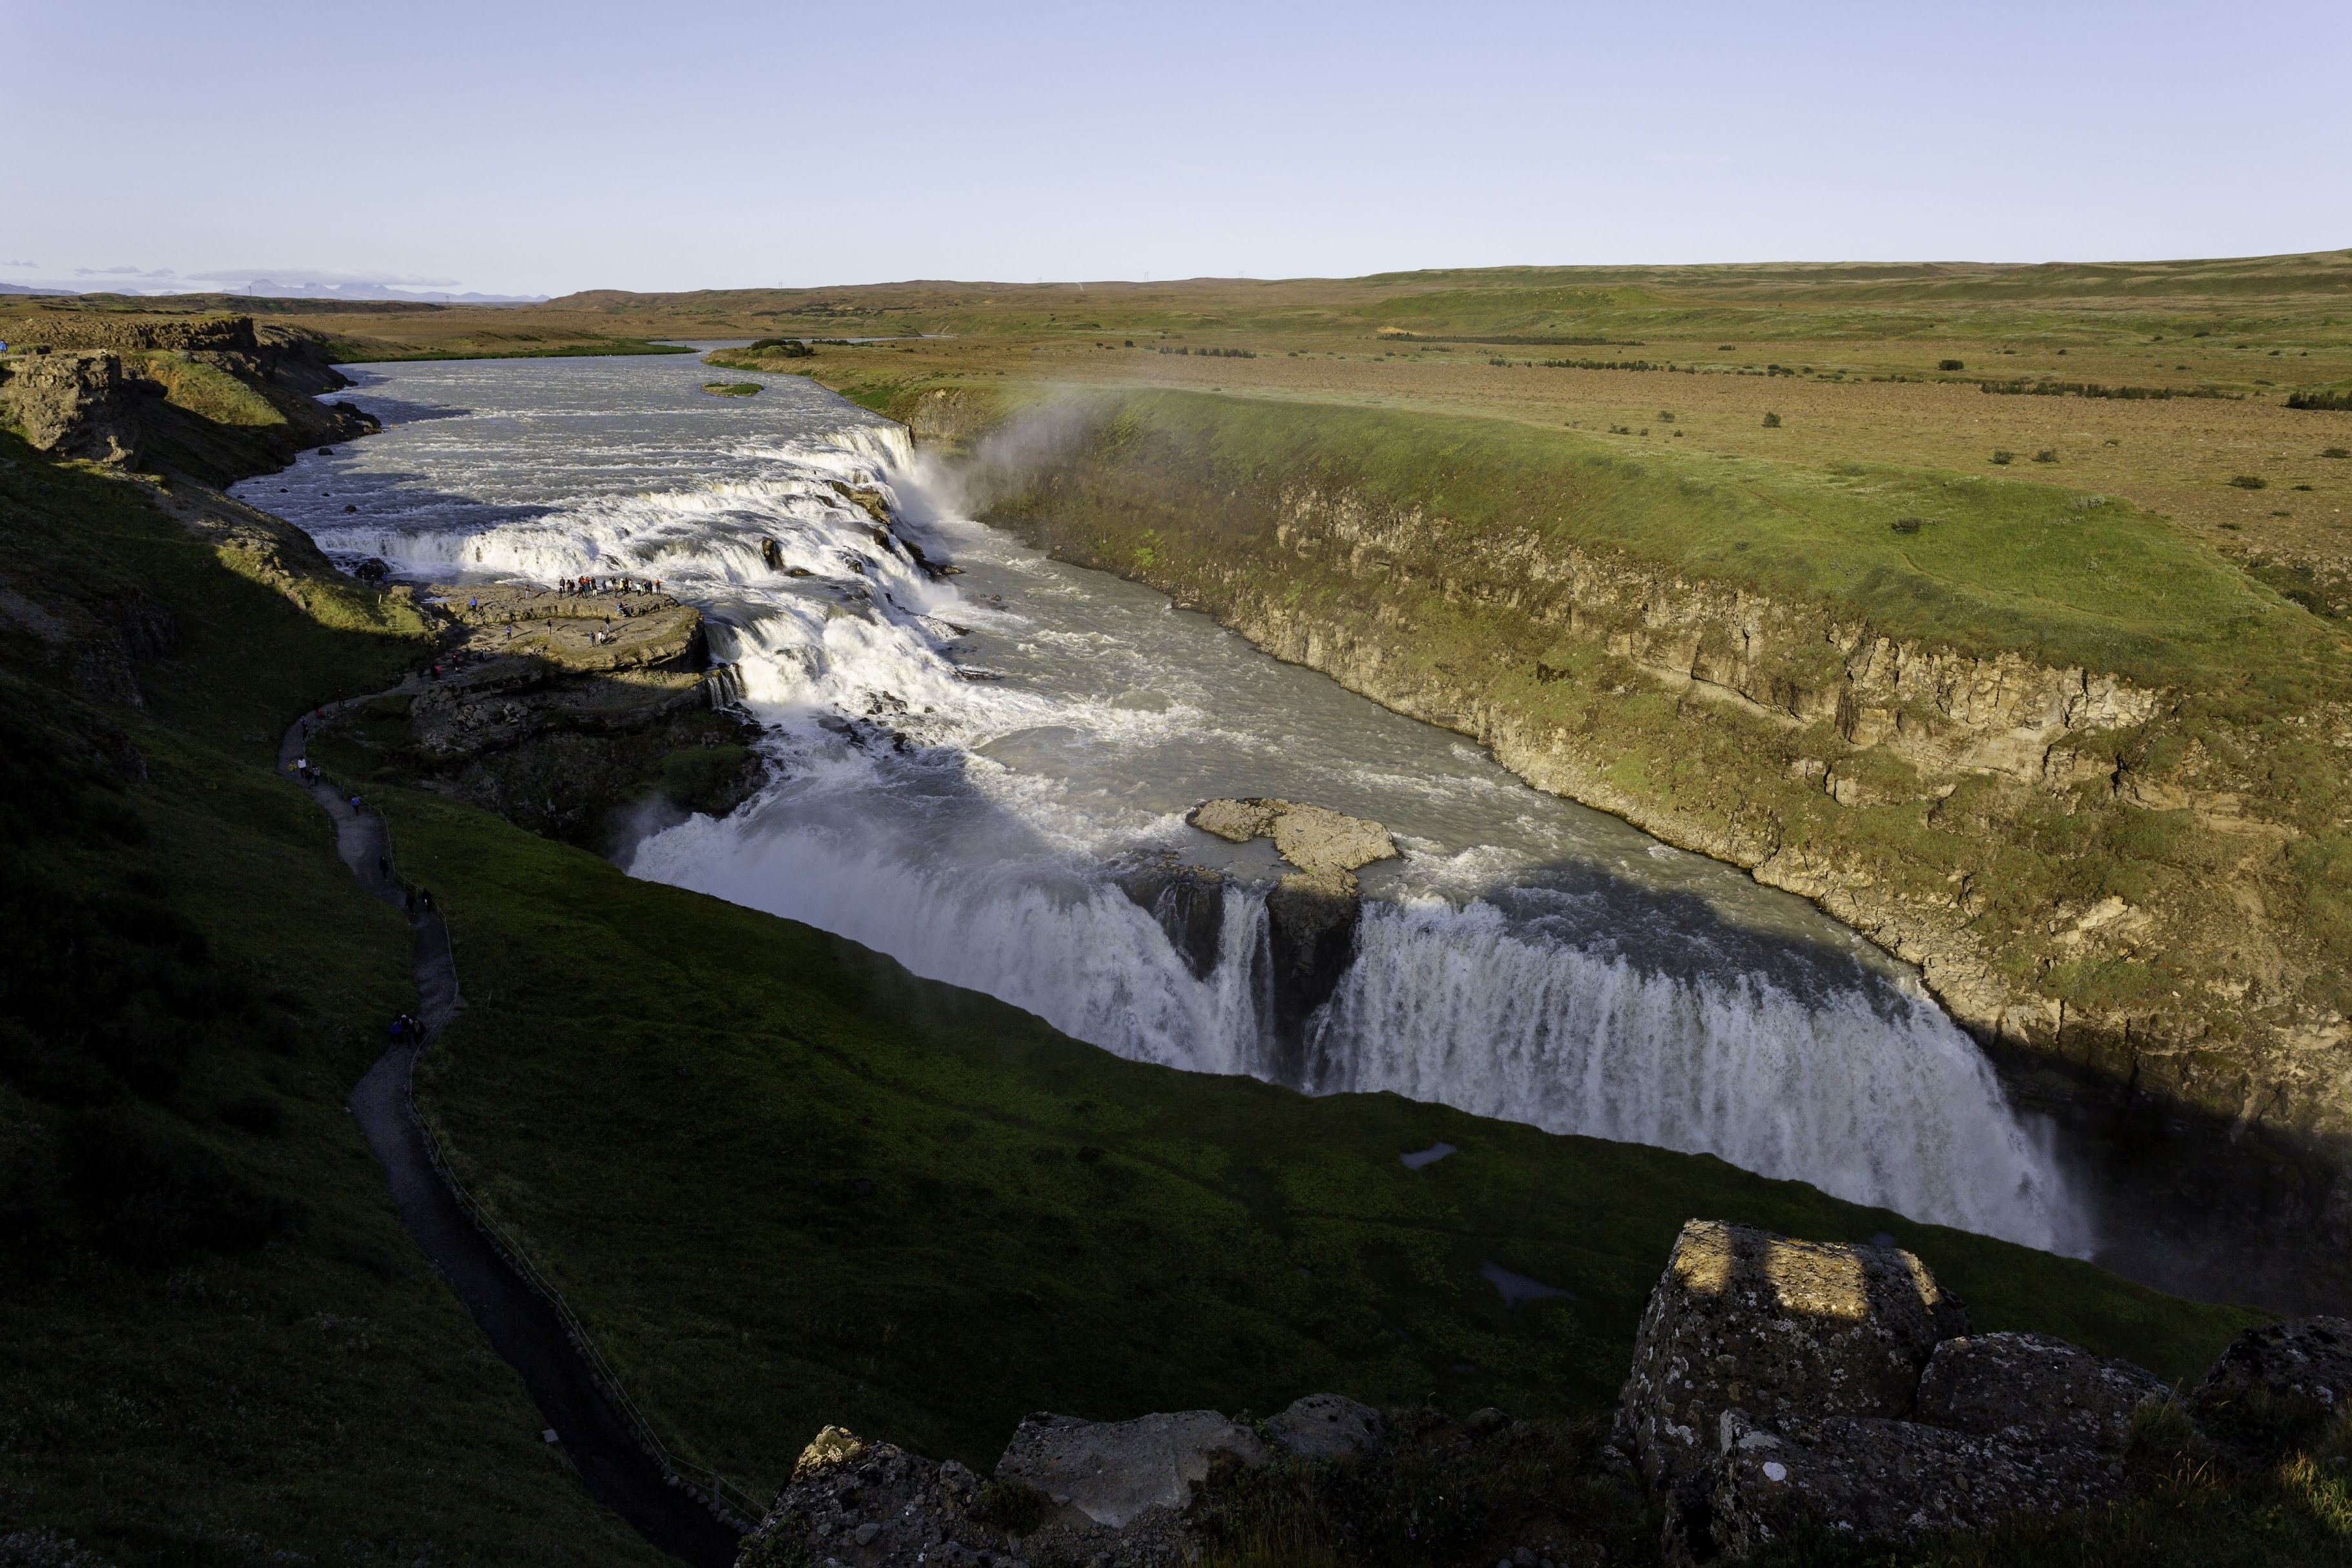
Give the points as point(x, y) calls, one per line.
point(2193, 1201)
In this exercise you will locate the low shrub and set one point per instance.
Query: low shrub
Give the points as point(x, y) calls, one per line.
point(2250, 481)
point(1771, 422)
point(2338, 401)
point(2047, 455)
point(2336, 452)
point(1013, 1507)
point(1949, 364)
point(2005, 457)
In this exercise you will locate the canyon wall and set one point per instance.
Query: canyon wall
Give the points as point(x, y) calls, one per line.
point(2114, 890)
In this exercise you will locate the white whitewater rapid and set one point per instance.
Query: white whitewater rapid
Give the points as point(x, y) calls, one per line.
point(961, 763)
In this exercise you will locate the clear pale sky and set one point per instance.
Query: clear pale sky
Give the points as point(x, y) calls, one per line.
point(524, 147)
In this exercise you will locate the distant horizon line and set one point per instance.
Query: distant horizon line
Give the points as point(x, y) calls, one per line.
point(374, 293)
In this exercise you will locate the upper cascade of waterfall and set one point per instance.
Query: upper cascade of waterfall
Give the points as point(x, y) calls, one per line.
point(967, 769)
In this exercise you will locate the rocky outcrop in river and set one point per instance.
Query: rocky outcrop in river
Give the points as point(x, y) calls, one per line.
point(565, 713)
point(1311, 914)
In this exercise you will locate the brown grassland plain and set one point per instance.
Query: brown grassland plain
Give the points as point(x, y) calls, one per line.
point(1847, 355)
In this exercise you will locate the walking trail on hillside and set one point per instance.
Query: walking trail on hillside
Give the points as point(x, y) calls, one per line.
point(521, 1324)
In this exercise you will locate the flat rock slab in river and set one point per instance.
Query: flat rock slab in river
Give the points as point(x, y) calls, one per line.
point(1314, 838)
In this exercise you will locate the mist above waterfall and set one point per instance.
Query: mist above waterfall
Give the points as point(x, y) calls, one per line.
point(963, 764)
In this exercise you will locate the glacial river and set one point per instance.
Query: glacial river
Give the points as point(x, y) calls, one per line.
point(962, 765)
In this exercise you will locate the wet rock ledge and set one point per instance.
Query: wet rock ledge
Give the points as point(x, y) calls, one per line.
point(1312, 913)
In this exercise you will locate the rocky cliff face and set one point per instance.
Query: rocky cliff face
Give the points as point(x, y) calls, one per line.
point(2107, 885)
point(563, 712)
point(215, 399)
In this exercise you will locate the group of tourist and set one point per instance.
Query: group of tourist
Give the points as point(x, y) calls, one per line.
point(608, 585)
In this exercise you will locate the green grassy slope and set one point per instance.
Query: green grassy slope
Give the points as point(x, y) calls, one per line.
point(1996, 565)
point(219, 1344)
point(216, 1341)
point(672, 1100)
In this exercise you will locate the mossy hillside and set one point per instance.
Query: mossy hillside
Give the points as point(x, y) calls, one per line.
point(947, 414)
point(255, 638)
point(207, 390)
point(788, 1185)
point(216, 1343)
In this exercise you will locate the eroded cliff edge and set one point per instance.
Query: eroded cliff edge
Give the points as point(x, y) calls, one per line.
point(2129, 890)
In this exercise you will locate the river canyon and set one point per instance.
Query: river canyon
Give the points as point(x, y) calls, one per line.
point(979, 773)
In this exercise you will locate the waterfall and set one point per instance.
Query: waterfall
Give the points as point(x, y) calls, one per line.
point(961, 764)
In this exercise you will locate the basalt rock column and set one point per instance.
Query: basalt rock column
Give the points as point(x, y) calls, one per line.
point(1313, 912)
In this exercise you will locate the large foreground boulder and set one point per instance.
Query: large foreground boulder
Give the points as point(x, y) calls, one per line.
point(855, 1502)
point(1066, 1493)
point(1779, 1329)
point(1782, 1385)
point(2274, 1387)
point(1113, 1471)
point(2036, 1388)
point(1873, 1478)
point(1326, 1427)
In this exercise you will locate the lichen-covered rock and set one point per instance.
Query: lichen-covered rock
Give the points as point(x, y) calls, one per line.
point(1870, 1476)
point(873, 1505)
point(1326, 1427)
point(2031, 1385)
point(1235, 821)
point(2275, 1385)
point(1112, 1471)
point(1315, 839)
point(1066, 1494)
point(1782, 1329)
